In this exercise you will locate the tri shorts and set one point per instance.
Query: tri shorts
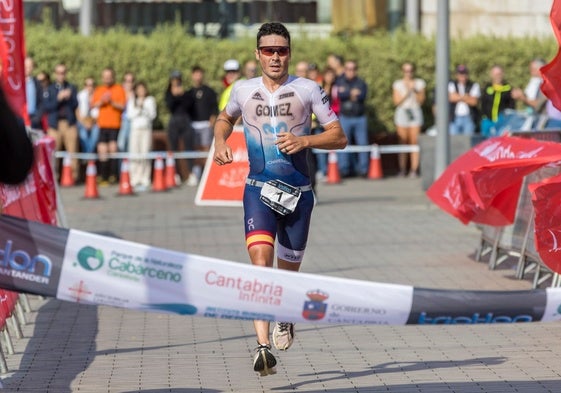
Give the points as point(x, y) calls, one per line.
point(262, 224)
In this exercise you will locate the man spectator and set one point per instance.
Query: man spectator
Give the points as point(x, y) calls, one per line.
point(232, 74)
point(495, 98)
point(32, 93)
point(60, 106)
point(205, 110)
point(301, 69)
point(463, 95)
point(351, 91)
point(532, 97)
point(250, 69)
point(110, 99)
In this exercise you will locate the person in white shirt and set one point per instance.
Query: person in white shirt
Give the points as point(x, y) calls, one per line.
point(531, 96)
point(463, 95)
point(141, 111)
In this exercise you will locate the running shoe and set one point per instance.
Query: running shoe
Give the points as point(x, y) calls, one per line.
point(264, 361)
point(283, 335)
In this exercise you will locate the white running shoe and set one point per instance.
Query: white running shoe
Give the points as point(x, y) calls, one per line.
point(283, 335)
point(192, 180)
point(264, 361)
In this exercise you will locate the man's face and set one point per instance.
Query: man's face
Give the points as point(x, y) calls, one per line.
point(273, 55)
point(107, 77)
point(60, 73)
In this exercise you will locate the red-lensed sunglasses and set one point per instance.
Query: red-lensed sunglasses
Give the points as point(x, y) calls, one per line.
point(271, 50)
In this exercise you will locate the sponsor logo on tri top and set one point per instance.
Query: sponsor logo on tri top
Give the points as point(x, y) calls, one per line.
point(254, 291)
point(20, 264)
point(257, 96)
point(475, 318)
point(127, 266)
point(286, 95)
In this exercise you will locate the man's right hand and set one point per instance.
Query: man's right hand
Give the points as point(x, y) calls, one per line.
point(223, 154)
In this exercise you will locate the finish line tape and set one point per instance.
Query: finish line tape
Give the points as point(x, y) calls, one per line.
point(81, 267)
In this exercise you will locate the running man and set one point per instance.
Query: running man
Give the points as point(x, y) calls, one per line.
point(276, 110)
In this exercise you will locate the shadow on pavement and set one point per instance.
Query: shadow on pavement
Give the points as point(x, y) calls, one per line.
point(61, 347)
point(394, 367)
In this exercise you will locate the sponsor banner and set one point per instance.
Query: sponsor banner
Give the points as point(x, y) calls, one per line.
point(483, 184)
point(30, 256)
point(35, 198)
point(12, 52)
point(94, 269)
point(551, 72)
point(441, 307)
point(224, 185)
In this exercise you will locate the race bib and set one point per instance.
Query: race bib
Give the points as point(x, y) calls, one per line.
point(280, 197)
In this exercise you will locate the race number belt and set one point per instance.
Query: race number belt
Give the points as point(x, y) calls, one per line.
point(278, 195)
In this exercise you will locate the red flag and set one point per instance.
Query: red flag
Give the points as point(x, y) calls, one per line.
point(483, 185)
point(546, 199)
point(551, 72)
point(12, 52)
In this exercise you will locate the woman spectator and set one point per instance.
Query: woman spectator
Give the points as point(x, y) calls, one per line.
point(141, 112)
point(408, 95)
point(88, 131)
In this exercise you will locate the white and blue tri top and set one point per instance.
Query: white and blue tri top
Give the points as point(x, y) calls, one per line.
point(265, 114)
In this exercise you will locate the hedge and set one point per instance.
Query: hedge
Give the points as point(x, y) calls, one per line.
point(153, 56)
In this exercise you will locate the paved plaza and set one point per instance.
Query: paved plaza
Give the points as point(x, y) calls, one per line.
point(376, 230)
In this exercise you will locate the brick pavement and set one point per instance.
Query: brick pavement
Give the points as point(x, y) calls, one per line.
point(385, 231)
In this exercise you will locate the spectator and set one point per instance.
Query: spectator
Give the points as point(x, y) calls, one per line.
point(463, 95)
point(351, 91)
point(110, 100)
point(329, 78)
point(301, 69)
point(88, 130)
point(532, 97)
point(44, 81)
point(141, 112)
point(553, 116)
point(336, 63)
point(125, 130)
point(205, 109)
point(60, 106)
point(232, 74)
point(180, 130)
point(496, 97)
point(408, 95)
point(314, 74)
point(32, 94)
point(15, 147)
point(250, 69)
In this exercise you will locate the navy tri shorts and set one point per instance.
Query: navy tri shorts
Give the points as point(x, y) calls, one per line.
point(262, 224)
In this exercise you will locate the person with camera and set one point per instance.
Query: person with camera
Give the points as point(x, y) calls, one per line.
point(408, 94)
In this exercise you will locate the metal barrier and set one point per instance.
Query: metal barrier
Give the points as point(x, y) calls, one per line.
point(383, 149)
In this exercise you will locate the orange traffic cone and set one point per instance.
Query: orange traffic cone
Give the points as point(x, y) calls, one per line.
point(375, 168)
point(124, 180)
point(91, 181)
point(158, 181)
point(333, 175)
point(170, 171)
point(66, 177)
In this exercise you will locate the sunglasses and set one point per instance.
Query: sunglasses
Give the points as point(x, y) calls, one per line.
point(271, 50)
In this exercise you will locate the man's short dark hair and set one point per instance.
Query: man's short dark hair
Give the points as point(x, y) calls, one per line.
point(273, 28)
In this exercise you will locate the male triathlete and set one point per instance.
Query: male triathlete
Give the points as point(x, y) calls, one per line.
point(276, 111)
